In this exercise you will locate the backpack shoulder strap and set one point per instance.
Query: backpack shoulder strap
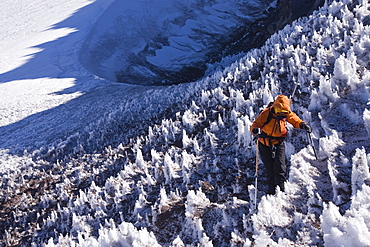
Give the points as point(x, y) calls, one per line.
point(269, 117)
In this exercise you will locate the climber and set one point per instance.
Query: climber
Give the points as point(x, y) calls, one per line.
point(271, 130)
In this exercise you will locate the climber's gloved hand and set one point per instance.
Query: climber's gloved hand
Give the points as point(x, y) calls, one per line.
point(256, 131)
point(306, 127)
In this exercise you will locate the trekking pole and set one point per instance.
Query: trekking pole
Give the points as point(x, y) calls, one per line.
point(295, 88)
point(256, 177)
point(312, 144)
point(293, 93)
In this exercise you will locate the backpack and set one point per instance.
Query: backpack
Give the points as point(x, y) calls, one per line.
point(269, 117)
point(270, 114)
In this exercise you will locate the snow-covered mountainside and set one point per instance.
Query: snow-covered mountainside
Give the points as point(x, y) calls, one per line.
point(170, 42)
point(165, 42)
point(179, 161)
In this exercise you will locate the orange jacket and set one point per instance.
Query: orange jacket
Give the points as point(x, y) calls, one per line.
point(276, 127)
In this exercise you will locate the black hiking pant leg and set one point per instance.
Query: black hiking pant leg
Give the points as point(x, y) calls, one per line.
point(280, 166)
point(266, 157)
point(275, 167)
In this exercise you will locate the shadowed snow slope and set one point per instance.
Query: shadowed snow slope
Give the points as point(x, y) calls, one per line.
point(170, 42)
point(165, 42)
point(181, 172)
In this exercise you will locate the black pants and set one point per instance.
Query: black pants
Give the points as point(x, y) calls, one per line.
point(275, 166)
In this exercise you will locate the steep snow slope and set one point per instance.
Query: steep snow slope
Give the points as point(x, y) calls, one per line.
point(188, 179)
point(166, 42)
point(170, 42)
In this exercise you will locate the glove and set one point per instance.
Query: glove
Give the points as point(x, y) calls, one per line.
point(256, 131)
point(306, 127)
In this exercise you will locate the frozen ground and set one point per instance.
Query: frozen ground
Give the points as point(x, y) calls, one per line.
point(86, 162)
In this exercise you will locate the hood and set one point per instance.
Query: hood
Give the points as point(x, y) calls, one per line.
point(282, 102)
